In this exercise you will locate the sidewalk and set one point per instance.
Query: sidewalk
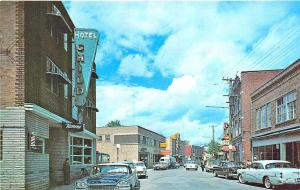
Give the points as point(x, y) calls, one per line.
point(64, 187)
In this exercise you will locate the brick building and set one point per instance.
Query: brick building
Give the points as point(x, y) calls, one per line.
point(135, 144)
point(36, 97)
point(239, 116)
point(275, 117)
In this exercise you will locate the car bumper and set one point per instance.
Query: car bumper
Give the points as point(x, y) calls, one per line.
point(280, 181)
point(233, 175)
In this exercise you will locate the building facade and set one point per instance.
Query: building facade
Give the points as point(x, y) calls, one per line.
point(175, 146)
point(131, 143)
point(275, 117)
point(36, 98)
point(239, 116)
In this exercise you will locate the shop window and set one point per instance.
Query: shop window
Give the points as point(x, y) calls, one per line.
point(1, 144)
point(107, 137)
point(35, 143)
point(276, 152)
point(81, 151)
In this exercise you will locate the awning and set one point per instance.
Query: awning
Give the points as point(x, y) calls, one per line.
point(85, 134)
point(57, 17)
point(54, 70)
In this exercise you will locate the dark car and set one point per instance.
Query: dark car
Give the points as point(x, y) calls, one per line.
point(228, 169)
point(109, 176)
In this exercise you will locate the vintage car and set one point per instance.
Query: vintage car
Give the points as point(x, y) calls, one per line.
point(141, 169)
point(111, 176)
point(270, 173)
point(160, 166)
point(211, 165)
point(227, 169)
point(191, 165)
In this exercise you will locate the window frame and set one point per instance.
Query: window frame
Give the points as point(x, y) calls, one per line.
point(83, 148)
point(282, 109)
point(107, 139)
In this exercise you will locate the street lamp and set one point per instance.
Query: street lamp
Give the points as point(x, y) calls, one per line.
point(118, 147)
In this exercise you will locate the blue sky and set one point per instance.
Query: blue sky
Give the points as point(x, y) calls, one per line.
point(161, 63)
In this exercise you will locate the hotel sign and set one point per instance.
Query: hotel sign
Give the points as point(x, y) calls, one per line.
point(86, 42)
point(72, 127)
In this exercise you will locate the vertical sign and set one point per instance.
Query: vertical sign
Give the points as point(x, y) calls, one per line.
point(86, 41)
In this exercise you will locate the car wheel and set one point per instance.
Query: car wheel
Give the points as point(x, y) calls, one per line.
point(267, 183)
point(241, 179)
point(226, 176)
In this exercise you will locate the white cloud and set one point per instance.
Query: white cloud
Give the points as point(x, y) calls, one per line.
point(204, 42)
point(134, 65)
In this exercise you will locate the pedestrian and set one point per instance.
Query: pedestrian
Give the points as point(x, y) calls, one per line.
point(248, 164)
point(66, 171)
point(202, 165)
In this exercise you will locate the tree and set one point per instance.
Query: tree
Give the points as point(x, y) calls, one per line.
point(115, 123)
point(214, 148)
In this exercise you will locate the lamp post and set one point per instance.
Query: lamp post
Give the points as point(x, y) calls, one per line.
point(118, 147)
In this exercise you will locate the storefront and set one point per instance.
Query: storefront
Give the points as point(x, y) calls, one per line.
point(280, 144)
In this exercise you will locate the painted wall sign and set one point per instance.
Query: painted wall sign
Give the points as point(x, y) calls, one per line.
point(86, 42)
point(72, 127)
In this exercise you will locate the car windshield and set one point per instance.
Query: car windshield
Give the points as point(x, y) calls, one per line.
point(279, 165)
point(113, 169)
point(140, 164)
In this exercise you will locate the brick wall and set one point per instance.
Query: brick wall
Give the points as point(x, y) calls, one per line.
point(12, 173)
point(250, 81)
point(283, 86)
point(58, 148)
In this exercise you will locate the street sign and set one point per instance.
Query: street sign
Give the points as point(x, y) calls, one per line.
point(72, 127)
point(165, 152)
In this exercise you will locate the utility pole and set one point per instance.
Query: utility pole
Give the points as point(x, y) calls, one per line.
point(230, 94)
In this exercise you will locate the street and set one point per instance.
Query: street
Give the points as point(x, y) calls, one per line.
point(190, 180)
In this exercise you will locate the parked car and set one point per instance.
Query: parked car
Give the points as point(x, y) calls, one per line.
point(227, 169)
point(211, 165)
point(160, 166)
point(177, 165)
point(270, 173)
point(141, 169)
point(109, 176)
point(191, 165)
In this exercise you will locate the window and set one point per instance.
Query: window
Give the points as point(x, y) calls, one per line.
point(258, 119)
point(107, 137)
point(263, 117)
point(81, 151)
point(66, 91)
point(100, 138)
point(1, 144)
point(269, 115)
point(35, 143)
point(286, 107)
point(66, 41)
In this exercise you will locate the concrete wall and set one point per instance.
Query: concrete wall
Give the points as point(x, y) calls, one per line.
point(12, 172)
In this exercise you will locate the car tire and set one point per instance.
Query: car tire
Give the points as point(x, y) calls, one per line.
point(267, 183)
point(241, 179)
point(226, 176)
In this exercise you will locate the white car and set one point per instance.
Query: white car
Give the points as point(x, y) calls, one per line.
point(191, 165)
point(270, 173)
point(141, 169)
